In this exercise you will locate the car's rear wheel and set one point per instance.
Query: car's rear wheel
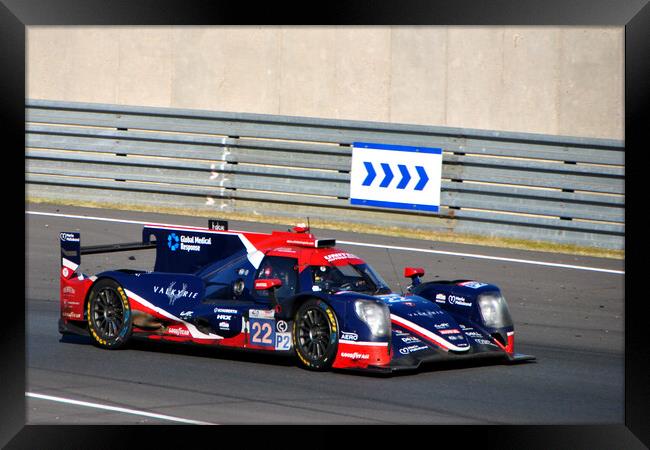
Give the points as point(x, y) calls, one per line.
point(109, 314)
point(315, 335)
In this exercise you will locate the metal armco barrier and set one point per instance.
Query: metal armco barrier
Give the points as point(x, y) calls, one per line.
point(520, 185)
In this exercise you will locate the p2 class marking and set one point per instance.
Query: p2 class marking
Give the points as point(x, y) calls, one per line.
point(361, 244)
point(116, 409)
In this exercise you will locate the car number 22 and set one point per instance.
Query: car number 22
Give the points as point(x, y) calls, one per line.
point(262, 333)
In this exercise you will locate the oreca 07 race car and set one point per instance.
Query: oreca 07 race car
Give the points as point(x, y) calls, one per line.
point(280, 292)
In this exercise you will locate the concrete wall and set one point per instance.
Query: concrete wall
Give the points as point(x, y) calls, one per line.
point(556, 80)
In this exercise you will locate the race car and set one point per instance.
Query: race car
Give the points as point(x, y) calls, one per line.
point(286, 292)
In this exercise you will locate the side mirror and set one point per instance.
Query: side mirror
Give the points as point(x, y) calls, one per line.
point(414, 273)
point(266, 284)
point(269, 284)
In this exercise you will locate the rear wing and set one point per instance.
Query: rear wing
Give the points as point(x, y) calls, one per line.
point(71, 251)
point(153, 237)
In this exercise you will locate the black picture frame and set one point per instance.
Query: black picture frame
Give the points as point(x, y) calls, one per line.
point(15, 15)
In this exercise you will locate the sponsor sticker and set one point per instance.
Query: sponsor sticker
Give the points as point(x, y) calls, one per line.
point(186, 314)
point(450, 331)
point(410, 339)
point(412, 349)
point(338, 256)
point(472, 284)
point(281, 326)
point(224, 326)
point(441, 298)
point(261, 313)
point(393, 298)
point(355, 355)
point(72, 315)
point(429, 314)
point(349, 336)
point(68, 237)
point(69, 290)
point(454, 300)
point(226, 311)
point(187, 243)
point(178, 331)
point(484, 342)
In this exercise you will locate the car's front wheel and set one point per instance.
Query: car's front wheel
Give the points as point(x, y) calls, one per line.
point(109, 314)
point(315, 335)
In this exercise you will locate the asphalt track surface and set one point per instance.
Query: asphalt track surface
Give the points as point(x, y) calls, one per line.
point(571, 319)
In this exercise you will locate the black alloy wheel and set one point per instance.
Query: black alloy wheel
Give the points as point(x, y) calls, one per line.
point(315, 335)
point(109, 314)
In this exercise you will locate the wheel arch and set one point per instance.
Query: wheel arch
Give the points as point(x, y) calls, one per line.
point(90, 290)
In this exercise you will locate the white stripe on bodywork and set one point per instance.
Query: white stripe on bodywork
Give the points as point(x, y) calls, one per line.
point(69, 264)
point(369, 344)
point(428, 334)
point(192, 329)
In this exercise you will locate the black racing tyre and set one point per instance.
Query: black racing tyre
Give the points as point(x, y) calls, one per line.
point(109, 314)
point(315, 335)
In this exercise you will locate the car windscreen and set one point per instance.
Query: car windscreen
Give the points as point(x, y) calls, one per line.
point(348, 277)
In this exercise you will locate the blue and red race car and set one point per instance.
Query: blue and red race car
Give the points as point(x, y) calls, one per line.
point(280, 292)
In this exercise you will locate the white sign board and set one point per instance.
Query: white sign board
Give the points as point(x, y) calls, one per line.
point(395, 176)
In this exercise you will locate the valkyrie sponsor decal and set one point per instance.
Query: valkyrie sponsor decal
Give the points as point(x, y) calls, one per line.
point(472, 284)
point(440, 298)
point(458, 301)
point(349, 336)
point(175, 294)
point(412, 349)
point(355, 355)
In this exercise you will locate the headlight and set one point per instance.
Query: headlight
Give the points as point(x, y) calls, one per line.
point(494, 310)
point(375, 315)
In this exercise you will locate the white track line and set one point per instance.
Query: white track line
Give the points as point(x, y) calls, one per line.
point(364, 244)
point(115, 408)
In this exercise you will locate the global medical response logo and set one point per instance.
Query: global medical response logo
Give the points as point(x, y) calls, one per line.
point(173, 242)
point(187, 243)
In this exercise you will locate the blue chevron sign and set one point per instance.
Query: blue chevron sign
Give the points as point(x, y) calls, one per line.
point(395, 176)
